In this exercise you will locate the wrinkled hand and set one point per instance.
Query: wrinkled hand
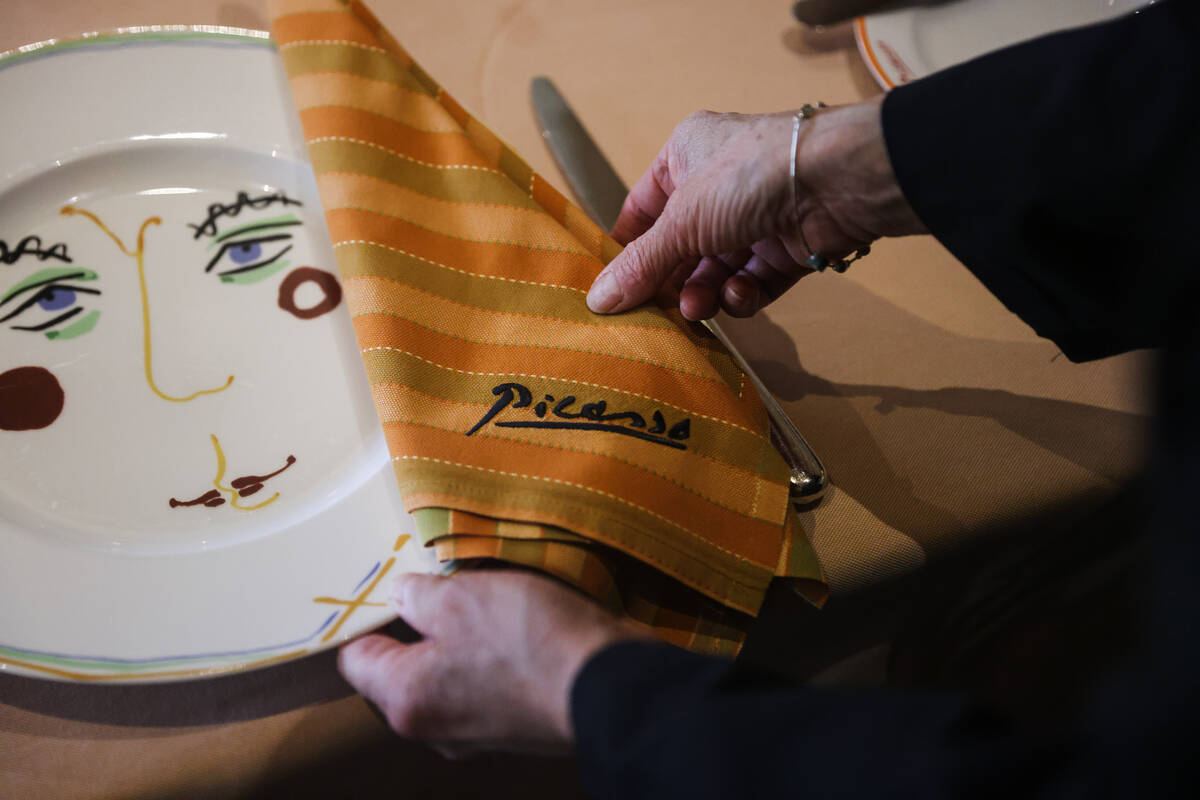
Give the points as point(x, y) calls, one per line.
point(715, 217)
point(495, 669)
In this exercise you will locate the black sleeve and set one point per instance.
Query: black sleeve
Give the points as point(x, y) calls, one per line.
point(1065, 174)
point(654, 721)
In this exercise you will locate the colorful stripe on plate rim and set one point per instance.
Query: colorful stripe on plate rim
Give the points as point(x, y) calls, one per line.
point(145, 34)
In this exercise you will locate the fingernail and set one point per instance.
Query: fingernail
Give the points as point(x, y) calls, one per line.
point(604, 294)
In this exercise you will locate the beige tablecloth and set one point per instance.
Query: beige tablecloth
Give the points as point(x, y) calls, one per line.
point(935, 410)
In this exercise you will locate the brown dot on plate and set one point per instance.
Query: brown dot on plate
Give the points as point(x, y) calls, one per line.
point(325, 281)
point(30, 398)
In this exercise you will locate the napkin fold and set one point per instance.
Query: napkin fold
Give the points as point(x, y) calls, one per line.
point(627, 455)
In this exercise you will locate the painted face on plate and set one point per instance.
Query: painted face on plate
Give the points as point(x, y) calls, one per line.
point(172, 374)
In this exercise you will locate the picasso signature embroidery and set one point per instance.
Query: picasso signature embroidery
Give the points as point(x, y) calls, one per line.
point(593, 416)
point(238, 488)
point(218, 210)
point(32, 246)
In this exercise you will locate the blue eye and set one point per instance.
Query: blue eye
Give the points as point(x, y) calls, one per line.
point(49, 306)
point(245, 253)
point(56, 298)
point(251, 260)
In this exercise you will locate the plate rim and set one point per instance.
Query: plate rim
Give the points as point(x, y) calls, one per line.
point(901, 60)
point(161, 33)
point(865, 50)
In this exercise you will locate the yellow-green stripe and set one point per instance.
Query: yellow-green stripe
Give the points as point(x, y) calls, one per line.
point(462, 184)
point(303, 59)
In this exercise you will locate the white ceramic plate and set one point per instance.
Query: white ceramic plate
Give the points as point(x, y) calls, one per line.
point(909, 43)
point(192, 475)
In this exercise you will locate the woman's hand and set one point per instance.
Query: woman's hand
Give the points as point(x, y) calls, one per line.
point(715, 216)
point(495, 669)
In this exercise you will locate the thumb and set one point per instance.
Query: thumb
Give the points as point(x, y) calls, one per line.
point(641, 269)
point(377, 667)
point(418, 598)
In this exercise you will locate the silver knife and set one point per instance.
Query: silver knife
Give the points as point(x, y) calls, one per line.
point(601, 192)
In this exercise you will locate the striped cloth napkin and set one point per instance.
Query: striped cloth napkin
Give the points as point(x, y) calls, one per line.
point(627, 455)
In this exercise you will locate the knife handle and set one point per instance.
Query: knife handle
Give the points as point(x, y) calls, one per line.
point(831, 12)
point(808, 480)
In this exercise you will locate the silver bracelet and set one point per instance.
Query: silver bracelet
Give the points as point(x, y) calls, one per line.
point(815, 260)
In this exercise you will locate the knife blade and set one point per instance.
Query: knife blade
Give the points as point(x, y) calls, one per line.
point(595, 184)
point(601, 193)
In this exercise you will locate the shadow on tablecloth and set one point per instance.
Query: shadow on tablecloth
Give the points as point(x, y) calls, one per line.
point(214, 701)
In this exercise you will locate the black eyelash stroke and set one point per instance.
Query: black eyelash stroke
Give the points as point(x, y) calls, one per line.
point(259, 228)
point(225, 247)
point(70, 277)
point(218, 210)
point(34, 299)
point(259, 265)
point(51, 323)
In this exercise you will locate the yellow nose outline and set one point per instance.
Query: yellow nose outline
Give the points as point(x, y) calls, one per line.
point(139, 255)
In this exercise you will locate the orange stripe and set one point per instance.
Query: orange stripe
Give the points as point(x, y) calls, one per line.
point(694, 394)
point(364, 15)
point(861, 25)
point(351, 123)
point(549, 199)
point(584, 230)
point(486, 142)
point(456, 218)
point(407, 106)
point(278, 9)
point(322, 26)
point(564, 560)
point(368, 295)
point(465, 524)
point(668, 619)
point(757, 542)
point(466, 547)
point(458, 112)
point(642, 610)
point(481, 258)
point(597, 578)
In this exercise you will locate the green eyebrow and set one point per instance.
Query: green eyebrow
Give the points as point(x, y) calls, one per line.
point(48, 275)
point(262, 224)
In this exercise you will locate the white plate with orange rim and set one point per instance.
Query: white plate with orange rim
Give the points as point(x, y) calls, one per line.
point(909, 43)
point(193, 478)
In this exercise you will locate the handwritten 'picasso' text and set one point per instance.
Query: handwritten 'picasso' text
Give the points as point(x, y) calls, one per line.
point(560, 414)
